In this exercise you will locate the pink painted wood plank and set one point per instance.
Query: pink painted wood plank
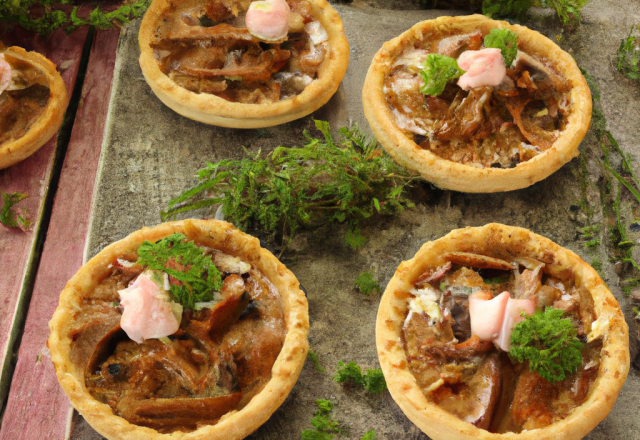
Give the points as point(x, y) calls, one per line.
point(31, 176)
point(37, 407)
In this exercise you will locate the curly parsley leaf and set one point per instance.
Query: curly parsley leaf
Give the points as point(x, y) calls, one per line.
point(371, 380)
point(11, 217)
point(505, 40)
point(629, 55)
point(45, 16)
point(438, 70)
point(323, 182)
point(183, 260)
point(324, 426)
point(549, 343)
point(366, 284)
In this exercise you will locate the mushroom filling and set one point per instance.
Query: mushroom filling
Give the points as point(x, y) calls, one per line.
point(458, 356)
point(205, 47)
point(218, 359)
point(486, 126)
point(24, 101)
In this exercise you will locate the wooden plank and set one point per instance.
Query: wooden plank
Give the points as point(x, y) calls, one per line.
point(18, 250)
point(37, 407)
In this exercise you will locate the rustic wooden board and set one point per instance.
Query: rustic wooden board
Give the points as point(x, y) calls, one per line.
point(19, 250)
point(37, 407)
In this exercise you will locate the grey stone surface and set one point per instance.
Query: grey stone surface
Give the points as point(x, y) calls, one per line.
point(152, 153)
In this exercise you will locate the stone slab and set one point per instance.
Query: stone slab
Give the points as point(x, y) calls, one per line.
point(151, 155)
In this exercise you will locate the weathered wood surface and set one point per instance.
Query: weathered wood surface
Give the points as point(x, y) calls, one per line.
point(18, 250)
point(152, 154)
point(37, 407)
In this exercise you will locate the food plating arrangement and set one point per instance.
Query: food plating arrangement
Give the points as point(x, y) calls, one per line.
point(285, 219)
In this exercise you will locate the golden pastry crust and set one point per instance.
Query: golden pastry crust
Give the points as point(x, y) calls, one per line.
point(51, 118)
point(459, 177)
point(214, 110)
point(505, 242)
point(211, 233)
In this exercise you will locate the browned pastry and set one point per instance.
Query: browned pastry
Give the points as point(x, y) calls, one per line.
point(222, 374)
point(201, 60)
point(32, 107)
point(452, 382)
point(486, 139)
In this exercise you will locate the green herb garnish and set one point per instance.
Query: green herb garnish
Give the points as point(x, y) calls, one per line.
point(27, 14)
point(549, 343)
point(371, 380)
point(324, 427)
point(198, 276)
point(315, 359)
point(293, 188)
point(10, 217)
point(629, 55)
point(506, 41)
point(366, 284)
point(568, 10)
point(438, 70)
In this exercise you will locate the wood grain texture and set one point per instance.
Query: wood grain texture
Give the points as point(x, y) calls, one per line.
point(18, 250)
point(37, 407)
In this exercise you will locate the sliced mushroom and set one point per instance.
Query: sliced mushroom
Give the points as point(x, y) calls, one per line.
point(543, 76)
point(478, 261)
point(475, 401)
point(105, 348)
point(177, 412)
point(470, 348)
point(433, 274)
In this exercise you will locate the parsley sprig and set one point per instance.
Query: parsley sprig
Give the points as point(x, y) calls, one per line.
point(324, 427)
point(11, 217)
point(371, 380)
point(45, 16)
point(550, 344)
point(200, 277)
point(324, 181)
point(366, 284)
point(436, 73)
point(505, 40)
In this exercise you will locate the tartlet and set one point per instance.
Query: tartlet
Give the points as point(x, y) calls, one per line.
point(465, 171)
point(225, 100)
point(36, 80)
point(74, 336)
point(493, 245)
